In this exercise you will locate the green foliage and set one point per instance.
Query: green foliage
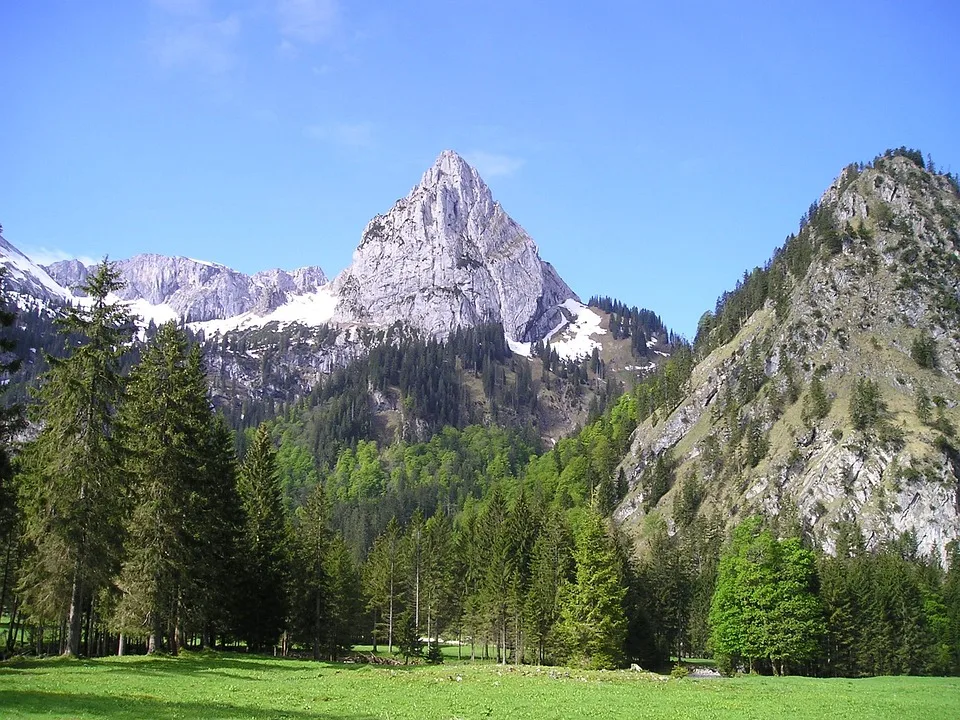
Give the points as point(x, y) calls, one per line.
point(923, 350)
point(867, 407)
point(765, 608)
point(592, 620)
point(816, 404)
point(267, 545)
point(166, 429)
point(408, 637)
point(72, 486)
point(657, 479)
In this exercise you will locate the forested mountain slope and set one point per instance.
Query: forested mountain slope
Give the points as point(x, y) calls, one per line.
point(829, 380)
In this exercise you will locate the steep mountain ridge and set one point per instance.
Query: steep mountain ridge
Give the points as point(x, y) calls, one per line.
point(836, 399)
point(194, 290)
point(448, 256)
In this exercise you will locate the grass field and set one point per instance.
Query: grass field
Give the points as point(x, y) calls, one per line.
point(217, 687)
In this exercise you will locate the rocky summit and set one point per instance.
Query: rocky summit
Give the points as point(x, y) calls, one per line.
point(181, 288)
point(828, 385)
point(448, 256)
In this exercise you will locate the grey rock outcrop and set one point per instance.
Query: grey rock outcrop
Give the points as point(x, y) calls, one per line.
point(448, 256)
point(197, 290)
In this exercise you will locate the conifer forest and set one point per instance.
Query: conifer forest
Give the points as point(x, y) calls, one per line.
point(137, 517)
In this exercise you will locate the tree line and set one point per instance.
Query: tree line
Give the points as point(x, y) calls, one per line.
point(131, 525)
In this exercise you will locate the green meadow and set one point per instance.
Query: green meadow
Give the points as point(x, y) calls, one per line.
point(217, 687)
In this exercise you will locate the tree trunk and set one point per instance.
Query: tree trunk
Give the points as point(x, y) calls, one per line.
point(122, 645)
point(75, 615)
point(390, 619)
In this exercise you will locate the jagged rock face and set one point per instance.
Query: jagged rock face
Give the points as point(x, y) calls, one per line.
point(448, 256)
point(196, 290)
point(891, 278)
point(25, 278)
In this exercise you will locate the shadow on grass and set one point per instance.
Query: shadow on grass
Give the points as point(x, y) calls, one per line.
point(69, 705)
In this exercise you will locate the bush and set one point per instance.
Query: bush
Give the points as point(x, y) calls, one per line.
point(679, 672)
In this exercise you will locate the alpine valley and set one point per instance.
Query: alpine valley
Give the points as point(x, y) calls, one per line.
point(450, 371)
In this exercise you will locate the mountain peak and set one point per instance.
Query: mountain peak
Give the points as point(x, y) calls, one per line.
point(448, 256)
point(451, 170)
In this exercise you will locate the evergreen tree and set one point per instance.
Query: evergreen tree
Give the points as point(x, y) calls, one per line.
point(382, 581)
point(549, 569)
point(218, 537)
point(166, 425)
point(592, 620)
point(266, 543)
point(437, 573)
point(11, 420)
point(73, 488)
point(311, 583)
point(343, 587)
point(670, 588)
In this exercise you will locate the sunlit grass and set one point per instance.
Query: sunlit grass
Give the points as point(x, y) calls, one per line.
point(236, 686)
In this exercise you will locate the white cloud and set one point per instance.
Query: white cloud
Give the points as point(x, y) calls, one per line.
point(493, 164)
point(354, 135)
point(309, 21)
point(48, 256)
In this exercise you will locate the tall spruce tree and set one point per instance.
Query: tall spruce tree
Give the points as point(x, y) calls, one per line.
point(549, 568)
point(11, 420)
point(170, 534)
point(593, 624)
point(219, 537)
point(267, 544)
point(382, 582)
point(310, 580)
point(73, 487)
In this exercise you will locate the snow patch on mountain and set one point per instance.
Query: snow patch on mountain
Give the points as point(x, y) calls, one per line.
point(576, 338)
point(315, 308)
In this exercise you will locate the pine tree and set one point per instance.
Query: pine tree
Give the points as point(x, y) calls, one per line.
point(343, 588)
point(549, 568)
point(266, 543)
point(382, 581)
point(73, 488)
point(166, 431)
point(312, 604)
point(593, 624)
point(11, 420)
point(218, 537)
point(437, 573)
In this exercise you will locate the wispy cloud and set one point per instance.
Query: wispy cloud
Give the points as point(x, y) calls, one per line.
point(352, 135)
point(494, 164)
point(47, 256)
point(308, 21)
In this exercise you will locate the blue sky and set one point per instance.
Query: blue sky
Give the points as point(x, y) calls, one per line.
point(653, 151)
